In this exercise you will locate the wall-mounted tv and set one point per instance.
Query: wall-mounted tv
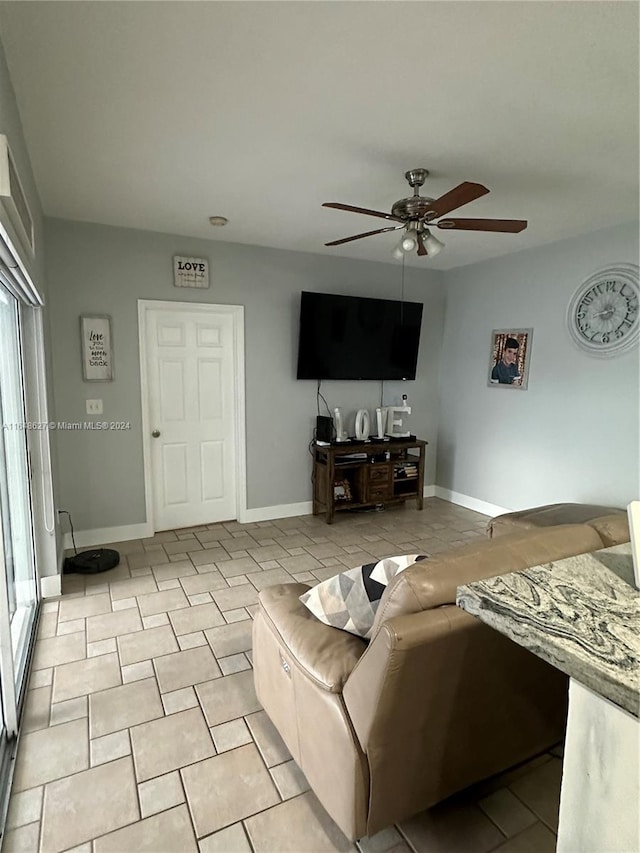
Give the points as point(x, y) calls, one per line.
point(352, 337)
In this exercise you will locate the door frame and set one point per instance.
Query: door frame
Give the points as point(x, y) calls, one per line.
point(42, 498)
point(236, 312)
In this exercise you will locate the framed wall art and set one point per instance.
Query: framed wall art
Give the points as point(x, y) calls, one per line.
point(342, 491)
point(97, 347)
point(190, 272)
point(509, 359)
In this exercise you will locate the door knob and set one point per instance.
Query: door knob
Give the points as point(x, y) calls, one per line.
point(156, 433)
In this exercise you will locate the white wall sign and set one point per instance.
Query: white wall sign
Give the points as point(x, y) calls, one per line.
point(97, 351)
point(190, 272)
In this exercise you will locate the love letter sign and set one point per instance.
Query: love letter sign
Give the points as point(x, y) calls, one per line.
point(190, 272)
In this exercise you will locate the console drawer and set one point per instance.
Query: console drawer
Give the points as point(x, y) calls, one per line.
point(379, 492)
point(379, 472)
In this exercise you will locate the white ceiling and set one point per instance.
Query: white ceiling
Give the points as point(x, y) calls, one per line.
point(157, 115)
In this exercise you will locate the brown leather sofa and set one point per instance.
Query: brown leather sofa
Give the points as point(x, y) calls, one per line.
point(434, 702)
point(551, 515)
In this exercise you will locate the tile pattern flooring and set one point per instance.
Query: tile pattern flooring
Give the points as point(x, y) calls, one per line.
point(142, 731)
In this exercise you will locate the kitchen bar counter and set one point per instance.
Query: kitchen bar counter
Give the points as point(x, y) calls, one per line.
point(581, 614)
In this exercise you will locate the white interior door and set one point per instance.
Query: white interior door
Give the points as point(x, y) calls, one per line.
point(191, 415)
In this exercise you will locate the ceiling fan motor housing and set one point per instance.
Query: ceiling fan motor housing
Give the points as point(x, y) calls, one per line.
point(417, 206)
point(414, 207)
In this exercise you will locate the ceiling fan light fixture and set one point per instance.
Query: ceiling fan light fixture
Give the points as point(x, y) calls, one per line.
point(398, 252)
point(409, 240)
point(432, 244)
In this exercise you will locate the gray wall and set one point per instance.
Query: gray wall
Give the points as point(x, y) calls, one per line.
point(11, 125)
point(101, 269)
point(573, 435)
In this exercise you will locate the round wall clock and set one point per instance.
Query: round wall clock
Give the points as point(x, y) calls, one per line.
point(603, 316)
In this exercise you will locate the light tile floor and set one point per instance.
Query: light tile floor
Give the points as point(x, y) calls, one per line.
point(142, 731)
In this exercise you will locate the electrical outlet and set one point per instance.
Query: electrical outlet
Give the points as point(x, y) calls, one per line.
point(94, 407)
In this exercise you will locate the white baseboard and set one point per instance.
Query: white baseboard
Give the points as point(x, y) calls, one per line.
point(105, 535)
point(51, 586)
point(268, 513)
point(469, 502)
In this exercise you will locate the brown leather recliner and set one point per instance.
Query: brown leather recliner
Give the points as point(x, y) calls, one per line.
point(433, 703)
point(551, 515)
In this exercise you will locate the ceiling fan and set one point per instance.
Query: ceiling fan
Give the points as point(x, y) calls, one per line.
point(417, 214)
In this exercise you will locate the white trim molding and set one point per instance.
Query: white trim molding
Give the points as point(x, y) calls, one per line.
point(469, 502)
point(51, 586)
point(107, 535)
point(268, 513)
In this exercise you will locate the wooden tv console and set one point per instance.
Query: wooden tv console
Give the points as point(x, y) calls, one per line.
point(365, 474)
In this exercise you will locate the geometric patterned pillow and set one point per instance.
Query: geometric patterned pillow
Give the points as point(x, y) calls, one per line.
point(349, 600)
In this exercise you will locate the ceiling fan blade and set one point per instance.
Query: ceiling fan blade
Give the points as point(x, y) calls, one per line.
point(350, 207)
point(462, 194)
point(512, 226)
point(366, 234)
point(421, 248)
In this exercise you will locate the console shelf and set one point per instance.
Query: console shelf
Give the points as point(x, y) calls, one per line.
point(365, 474)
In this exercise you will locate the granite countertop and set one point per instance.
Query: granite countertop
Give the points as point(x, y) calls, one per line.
point(581, 614)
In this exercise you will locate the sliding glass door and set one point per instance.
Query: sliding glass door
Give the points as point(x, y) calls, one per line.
point(18, 597)
point(28, 542)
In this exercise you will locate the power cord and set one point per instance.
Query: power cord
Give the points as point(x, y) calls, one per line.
point(319, 396)
point(73, 539)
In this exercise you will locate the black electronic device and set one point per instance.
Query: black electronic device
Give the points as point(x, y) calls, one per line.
point(325, 430)
point(91, 562)
point(352, 337)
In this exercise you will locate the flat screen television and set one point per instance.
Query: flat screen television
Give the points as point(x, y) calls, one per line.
point(352, 337)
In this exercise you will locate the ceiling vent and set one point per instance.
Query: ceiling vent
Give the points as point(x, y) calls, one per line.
point(13, 198)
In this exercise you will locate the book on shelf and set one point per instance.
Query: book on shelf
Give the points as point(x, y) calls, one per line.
point(405, 471)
